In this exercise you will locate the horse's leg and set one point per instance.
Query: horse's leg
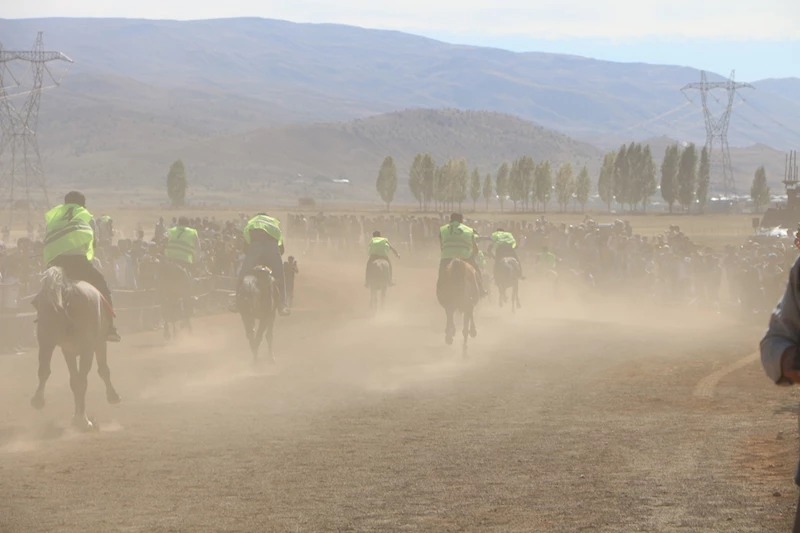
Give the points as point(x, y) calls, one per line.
point(262, 329)
point(450, 328)
point(249, 323)
point(473, 332)
point(270, 323)
point(78, 380)
point(516, 294)
point(45, 357)
point(103, 370)
point(383, 297)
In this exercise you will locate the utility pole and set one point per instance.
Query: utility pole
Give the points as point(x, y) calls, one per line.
point(717, 129)
point(22, 182)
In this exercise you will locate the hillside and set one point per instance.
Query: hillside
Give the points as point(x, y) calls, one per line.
point(300, 160)
point(284, 72)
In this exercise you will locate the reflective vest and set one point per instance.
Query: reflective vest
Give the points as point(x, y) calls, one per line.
point(481, 259)
point(68, 230)
point(271, 225)
point(181, 244)
point(457, 240)
point(504, 237)
point(546, 259)
point(379, 246)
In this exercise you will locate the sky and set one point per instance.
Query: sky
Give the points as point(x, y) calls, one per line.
point(757, 39)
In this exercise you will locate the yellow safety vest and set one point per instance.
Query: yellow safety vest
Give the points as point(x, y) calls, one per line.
point(457, 241)
point(68, 229)
point(271, 225)
point(379, 246)
point(504, 237)
point(181, 244)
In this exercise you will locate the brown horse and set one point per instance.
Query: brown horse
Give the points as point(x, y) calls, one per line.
point(175, 296)
point(75, 317)
point(507, 276)
point(378, 278)
point(458, 290)
point(257, 300)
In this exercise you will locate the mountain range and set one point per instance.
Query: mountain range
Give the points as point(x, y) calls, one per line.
point(257, 97)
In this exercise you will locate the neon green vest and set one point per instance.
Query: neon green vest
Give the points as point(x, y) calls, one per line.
point(181, 244)
point(68, 229)
point(504, 237)
point(271, 225)
point(379, 246)
point(546, 259)
point(457, 240)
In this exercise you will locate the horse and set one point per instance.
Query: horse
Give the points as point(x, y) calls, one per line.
point(378, 279)
point(507, 275)
point(175, 296)
point(75, 317)
point(257, 299)
point(458, 290)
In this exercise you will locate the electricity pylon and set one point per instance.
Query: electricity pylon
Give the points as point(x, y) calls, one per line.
point(22, 182)
point(717, 129)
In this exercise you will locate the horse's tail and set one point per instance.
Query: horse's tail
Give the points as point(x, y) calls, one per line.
point(248, 296)
point(54, 284)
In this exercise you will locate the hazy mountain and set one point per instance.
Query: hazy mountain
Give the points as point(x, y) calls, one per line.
point(285, 72)
point(284, 162)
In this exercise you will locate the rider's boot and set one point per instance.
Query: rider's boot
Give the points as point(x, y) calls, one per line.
point(113, 335)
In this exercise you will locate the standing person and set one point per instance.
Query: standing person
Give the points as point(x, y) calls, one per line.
point(264, 246)
point(69, 244)
point(780, 347)
point(379, 248)
point(290, 270)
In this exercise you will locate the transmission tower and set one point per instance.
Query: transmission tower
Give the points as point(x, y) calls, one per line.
point(22, 75)
point(717, 129)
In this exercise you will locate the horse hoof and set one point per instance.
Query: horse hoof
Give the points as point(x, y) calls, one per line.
point(448, 340)
point(82, 423)
point(473, 333)
point(37, 402)
point(113, 398)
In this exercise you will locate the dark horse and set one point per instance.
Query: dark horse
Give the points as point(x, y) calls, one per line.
point(378, 279)
point(507, 276)
point(75, 317)
point(257, 299)
point(458, 290)
point(174, 296)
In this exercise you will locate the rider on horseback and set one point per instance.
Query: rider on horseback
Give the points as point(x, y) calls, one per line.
point(264, 246)
point(458, 241)
point(505, 245)
point(379, 248)
point(183, 244)
point(69, 244)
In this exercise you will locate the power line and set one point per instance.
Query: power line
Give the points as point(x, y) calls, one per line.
point(18, 124)
point(717, 128)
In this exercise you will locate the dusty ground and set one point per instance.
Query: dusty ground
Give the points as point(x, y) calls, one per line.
point(562, 418)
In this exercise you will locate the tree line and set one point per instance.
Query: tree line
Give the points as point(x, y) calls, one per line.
point(627, 177)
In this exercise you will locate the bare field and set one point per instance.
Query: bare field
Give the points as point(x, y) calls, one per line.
point(709, 230)
point(568, 416)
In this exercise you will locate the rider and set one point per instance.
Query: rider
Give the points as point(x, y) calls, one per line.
point(379, 248)
point(457, 240)
point(546, 261)
point(69, 244)
point(183, 244)
point(505, 245)
point(264, 246)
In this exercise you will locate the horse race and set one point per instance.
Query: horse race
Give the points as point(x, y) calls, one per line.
point(382, 270)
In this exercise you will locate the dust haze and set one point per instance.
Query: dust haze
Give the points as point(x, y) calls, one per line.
point(574, 413)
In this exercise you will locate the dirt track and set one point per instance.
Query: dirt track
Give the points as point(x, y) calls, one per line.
point(561, 419)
